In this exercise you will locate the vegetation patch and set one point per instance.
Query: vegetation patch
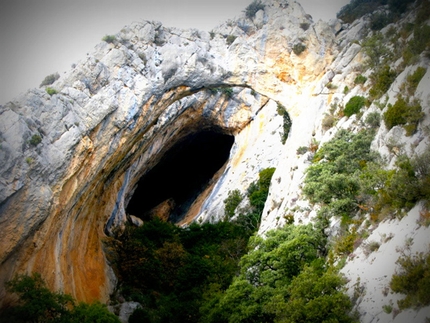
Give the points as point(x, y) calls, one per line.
point(175, 272)
point(51, 91)
point(414, 79)
point(407, 114)
point(35, 140)
point(37, 303)
point(252, 9)
point(360, 79)
point(299, 48)
point(231, 203)
point(373, 120)
point(286, 124)
point(333, 179)
point(381, 80)
point(413, 280)
point(354, 105)
point(48, 80)
point(283, 279)
point(230, 39)
point(109, 39)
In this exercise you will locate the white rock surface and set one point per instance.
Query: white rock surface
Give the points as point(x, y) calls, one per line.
point(119, 110)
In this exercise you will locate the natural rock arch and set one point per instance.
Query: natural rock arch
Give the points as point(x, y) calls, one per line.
point(117, 114)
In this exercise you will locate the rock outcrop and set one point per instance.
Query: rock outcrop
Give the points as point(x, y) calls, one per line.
point(71, 161)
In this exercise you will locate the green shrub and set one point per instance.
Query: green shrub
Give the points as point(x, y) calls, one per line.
point(373, 119)
point(328, 121)
point(414, 79)
point(227, 91)
point(305, 25)
point(345, 90)
point(109, 39)
point(258, 192)
point(399, 6)
point(423, 12)
point(230, 39)
point(51, 91)
point(287, 123)
point(416, 45)
point(302, 150)
point(379, 20)
point(333, 179)
point(387, 308)
point(38, 304)
point(357, 8)
point(404, 113)
point(354, 105)
point(231, 202)
point(299, 48)
point(360, 79)
point(48, 80)
point(253, 8)
point(173, 271)
point(283, 278)
point(381, 80)
point(413, 280)
point(35, 140)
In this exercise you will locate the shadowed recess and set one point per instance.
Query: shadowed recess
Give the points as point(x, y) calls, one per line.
point(182, 174)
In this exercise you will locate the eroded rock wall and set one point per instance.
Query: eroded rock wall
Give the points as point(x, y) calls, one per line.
point(122, 108)
point(118, 111)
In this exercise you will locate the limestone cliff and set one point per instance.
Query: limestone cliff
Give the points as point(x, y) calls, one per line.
point(71, 161)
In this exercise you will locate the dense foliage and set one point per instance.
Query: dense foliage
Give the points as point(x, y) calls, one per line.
point(354, 105)
point(381, 78)
point(333, 180)
point(174, 271)
point(283, 279)
point(413, 280)
point(38, 304)
point(168, 269)
point(358, 8)
point(407, 114)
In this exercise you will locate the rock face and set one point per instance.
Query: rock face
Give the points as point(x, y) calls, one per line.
point(72, 161)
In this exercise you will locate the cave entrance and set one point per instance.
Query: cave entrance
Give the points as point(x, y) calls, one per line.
point(180, 176)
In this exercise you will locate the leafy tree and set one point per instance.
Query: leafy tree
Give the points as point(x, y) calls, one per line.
point(283, 272)
point(169, 269)
point(358, 8)
point(399, 6)
point(91, 313)
point(333, 180)
point(315, 295)
point(38, 304)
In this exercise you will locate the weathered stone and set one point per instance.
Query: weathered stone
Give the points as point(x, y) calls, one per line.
point(118, 112)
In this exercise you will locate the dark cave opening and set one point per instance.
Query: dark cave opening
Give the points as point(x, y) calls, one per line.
point(182, 174)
